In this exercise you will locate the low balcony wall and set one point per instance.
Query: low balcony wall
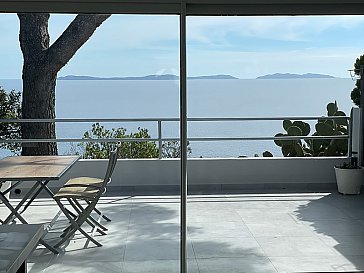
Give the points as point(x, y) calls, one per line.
point(133, 176)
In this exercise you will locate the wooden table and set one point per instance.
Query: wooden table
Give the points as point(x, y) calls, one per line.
point(38, 169)
point(17, 242)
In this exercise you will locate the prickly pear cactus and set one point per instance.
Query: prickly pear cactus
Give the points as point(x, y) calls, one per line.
point(292, 148)
point(316, 147)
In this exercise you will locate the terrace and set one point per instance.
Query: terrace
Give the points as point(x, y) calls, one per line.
point(286, 218)
point(270, 232)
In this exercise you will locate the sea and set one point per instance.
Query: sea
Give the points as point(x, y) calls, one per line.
point(206, 99)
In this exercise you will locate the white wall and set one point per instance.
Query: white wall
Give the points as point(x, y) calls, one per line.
point(138, 175)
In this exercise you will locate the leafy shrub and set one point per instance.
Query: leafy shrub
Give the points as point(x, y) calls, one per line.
point(10, 108)
point(137, 149)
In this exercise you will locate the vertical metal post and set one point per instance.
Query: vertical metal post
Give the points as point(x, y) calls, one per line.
point(350, 134)
point(183, 138)
point(361, 149)
point(160, 144)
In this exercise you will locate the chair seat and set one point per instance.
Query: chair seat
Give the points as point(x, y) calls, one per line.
point(84, 181)
point(77, 192)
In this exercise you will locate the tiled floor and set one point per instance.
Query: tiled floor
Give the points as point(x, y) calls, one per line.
point(226, 234)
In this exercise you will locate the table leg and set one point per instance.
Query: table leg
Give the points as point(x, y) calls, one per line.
point(41, 186)
point(14, 211)
point(23, 268)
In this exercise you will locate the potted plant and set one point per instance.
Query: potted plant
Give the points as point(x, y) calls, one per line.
point(349, 177)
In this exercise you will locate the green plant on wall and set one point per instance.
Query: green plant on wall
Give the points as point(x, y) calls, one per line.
point(140, 149)
point(292, 148)
point(316, 147)
point(96, 150)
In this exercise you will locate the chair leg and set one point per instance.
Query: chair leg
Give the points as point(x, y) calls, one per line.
point(95, 225)
point(100, 213)
point(76, 225)
point(90, 218)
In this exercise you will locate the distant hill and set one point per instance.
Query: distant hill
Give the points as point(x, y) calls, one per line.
point(294, 76)
point(148, 77)
point(213, 77)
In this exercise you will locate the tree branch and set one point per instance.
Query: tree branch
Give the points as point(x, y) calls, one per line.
point(76, 34)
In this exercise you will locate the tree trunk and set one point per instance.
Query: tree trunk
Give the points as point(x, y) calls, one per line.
point(38, 105)
point(42, 62)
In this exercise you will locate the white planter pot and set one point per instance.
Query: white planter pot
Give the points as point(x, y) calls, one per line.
point(349, 180)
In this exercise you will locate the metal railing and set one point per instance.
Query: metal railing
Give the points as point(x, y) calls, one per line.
point(160, 139)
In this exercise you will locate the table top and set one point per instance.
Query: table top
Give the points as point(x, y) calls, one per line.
point(30, 168)
point(17, 242)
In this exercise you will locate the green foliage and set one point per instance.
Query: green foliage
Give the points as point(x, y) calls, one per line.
point(144, 149)
point(355, 93)
point(10, 108)
point(96, 150)
point(316, 147)
point(267, 154)
point(171, 149)
point(291, 148)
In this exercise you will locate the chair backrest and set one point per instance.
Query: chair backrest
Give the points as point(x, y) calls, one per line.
point(111, 165)
point(110, 168)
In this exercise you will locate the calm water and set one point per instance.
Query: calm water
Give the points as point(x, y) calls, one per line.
point(206, 98)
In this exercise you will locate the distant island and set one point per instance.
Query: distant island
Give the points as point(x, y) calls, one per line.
point(294, 76)
point(148, 77)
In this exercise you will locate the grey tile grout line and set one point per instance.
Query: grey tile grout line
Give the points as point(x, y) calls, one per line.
point(127, 235)
point(194, 253)
point(266, 255)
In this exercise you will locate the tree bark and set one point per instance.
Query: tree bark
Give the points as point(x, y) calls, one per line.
point(42, 62)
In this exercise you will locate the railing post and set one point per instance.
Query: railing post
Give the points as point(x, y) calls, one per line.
point(183, 138)
point(361, 146)
point(350, 134)
point(160, 142)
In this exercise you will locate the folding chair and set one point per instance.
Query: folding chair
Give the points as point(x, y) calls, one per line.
point(89, 193)
point(85, 181)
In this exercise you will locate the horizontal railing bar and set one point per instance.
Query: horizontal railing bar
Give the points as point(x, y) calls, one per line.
point(88, 120)
point(268, 118)
point(78, 140)
point(168, 119)
point(168, 139)
point(267, 138)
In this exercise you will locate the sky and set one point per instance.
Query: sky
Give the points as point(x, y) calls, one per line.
point(244, 47)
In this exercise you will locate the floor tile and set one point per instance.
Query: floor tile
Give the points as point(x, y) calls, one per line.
point(210, 216)
point(344, 245)
point(319, 212)
point(354, 263)
point(206, 231)
point(226, 247)
point(145, 250)
point(311, 264)
point(154, 231)
point(294, 246)
point(158, 266)
point(262, 216)
point(247, 264)
point(283, 228)
point(153, 214)
point(336, 227)
point(83, 266)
